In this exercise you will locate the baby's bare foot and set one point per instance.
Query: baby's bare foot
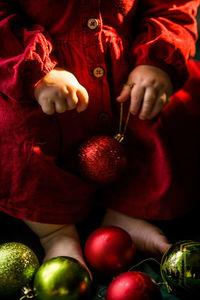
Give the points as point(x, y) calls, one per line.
point(148, 238)
point(58, 240)
point(62, 242)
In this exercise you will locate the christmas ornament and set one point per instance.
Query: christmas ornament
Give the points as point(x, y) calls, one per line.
point(62, 278)
point(109, 250)
point(133, 285)
point(102, 158)
point(18, 264)
point(180, 268)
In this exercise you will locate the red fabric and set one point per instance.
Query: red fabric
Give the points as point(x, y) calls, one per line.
point(38, 179)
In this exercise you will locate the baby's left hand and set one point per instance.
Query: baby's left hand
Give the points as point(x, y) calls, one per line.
point(151, 91)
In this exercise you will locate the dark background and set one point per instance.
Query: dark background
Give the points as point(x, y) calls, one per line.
point(198, 42)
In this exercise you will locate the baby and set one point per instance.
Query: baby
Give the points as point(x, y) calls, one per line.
point(62, 67)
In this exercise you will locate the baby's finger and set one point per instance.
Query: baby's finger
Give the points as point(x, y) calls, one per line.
point(60, 105)
point(47, 106)
point(148, 103)
point(72, 100)
point(83, 99)
point(125, 93)
point(161, 101)
point(137, 94)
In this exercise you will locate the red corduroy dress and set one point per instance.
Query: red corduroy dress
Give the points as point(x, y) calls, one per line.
point(100, 42)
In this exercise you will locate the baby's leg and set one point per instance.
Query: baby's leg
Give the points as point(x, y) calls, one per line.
point(58, 240)
point(148, 238)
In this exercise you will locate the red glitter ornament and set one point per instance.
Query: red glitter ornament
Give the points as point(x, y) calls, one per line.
point(133, 285)
point(102, 159)
point(110, 250)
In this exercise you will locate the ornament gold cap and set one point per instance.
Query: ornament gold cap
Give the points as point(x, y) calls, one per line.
point(119, 137)
point(27, 293)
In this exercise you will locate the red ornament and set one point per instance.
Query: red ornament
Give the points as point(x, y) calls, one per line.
point(133, 285)
point(102, 159)
point(110, 250)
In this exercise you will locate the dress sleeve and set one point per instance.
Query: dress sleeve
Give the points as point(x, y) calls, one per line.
point(25, 52)
point(166, 34)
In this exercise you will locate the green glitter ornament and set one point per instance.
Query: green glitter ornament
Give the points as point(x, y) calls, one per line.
point(180, 268)
point(62, 278)
point(18, 264)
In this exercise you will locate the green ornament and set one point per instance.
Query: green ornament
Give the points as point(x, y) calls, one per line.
point(18, 264)
point(62, 278)
point(180, 268)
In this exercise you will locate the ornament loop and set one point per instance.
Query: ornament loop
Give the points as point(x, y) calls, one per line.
point(120, 136)
point(143, 261)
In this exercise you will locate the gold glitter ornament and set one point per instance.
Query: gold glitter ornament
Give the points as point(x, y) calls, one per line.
point(18, 264)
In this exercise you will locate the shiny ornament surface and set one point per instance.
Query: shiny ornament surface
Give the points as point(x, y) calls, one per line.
point(102, 159)
point(18, 264)
point(62, 278)
point(133, 285)
point(109, 250)
point(180, 268)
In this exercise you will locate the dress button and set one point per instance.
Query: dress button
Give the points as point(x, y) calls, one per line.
point(103, 116)
point(98, 72)
point(92, 23)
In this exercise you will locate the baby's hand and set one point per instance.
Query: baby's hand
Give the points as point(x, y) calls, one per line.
point(59, 91)
point(151, 91)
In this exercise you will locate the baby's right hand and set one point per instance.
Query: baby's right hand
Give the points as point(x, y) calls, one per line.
point(59, 91)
